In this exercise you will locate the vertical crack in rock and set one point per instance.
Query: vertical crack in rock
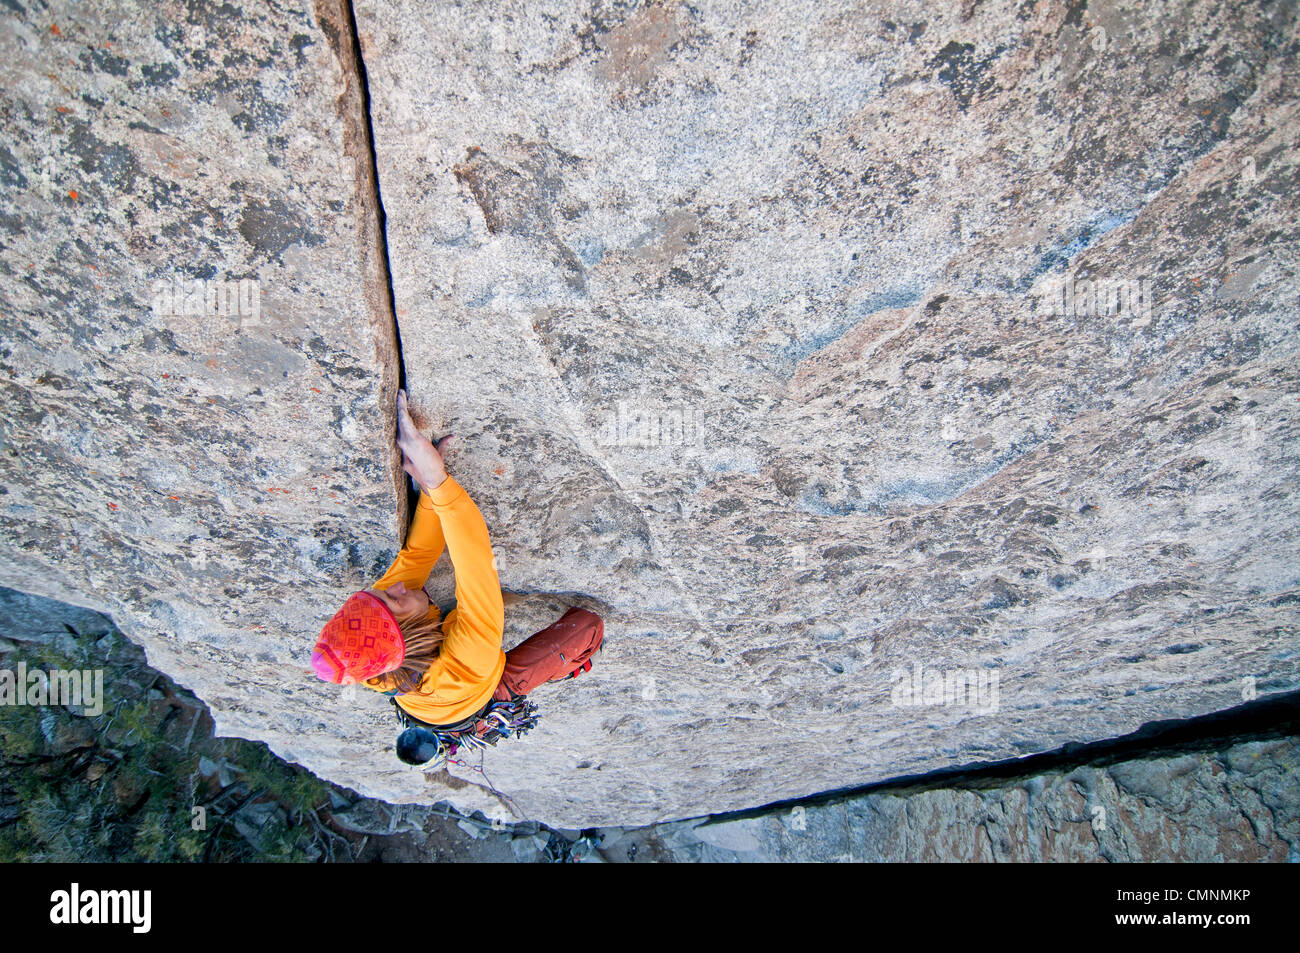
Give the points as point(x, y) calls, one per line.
point(339, 22)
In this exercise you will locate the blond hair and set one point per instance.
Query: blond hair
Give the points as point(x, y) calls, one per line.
point(423, 635)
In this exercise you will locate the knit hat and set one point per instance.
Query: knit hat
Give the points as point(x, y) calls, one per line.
point(362, 640)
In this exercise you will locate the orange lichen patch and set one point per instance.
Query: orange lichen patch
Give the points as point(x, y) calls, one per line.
point(61, 109)
point(316, 389)
point(54, 28)
point(72, 194)
point(112, 506)
point(500, 469)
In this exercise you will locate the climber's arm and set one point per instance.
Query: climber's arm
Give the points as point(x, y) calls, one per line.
point(425, 542)
point(424, 545)
point(474, 632)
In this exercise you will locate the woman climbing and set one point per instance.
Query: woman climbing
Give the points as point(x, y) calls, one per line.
point(450, 682)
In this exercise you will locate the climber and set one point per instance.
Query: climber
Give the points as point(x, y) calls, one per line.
point(448, 677)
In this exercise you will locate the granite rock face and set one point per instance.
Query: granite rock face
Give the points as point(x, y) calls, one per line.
point(746, 318)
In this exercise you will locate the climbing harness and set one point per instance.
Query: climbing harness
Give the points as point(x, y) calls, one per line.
point(434, 745)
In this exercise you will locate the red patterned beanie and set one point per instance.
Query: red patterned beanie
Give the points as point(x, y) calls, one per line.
point(362, 640)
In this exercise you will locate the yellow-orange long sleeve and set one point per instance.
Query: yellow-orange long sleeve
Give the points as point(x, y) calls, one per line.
point(470, 661)
point(474, 628)
point(424, 545)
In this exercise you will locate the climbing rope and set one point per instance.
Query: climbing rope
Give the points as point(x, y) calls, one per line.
point(509, 801)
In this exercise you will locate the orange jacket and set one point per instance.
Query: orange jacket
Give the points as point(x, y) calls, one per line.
point(469, 664)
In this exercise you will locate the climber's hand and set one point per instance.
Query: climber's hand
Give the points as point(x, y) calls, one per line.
point(420, 458)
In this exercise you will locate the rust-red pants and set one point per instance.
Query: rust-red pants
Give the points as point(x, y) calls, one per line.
point(553, 653)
